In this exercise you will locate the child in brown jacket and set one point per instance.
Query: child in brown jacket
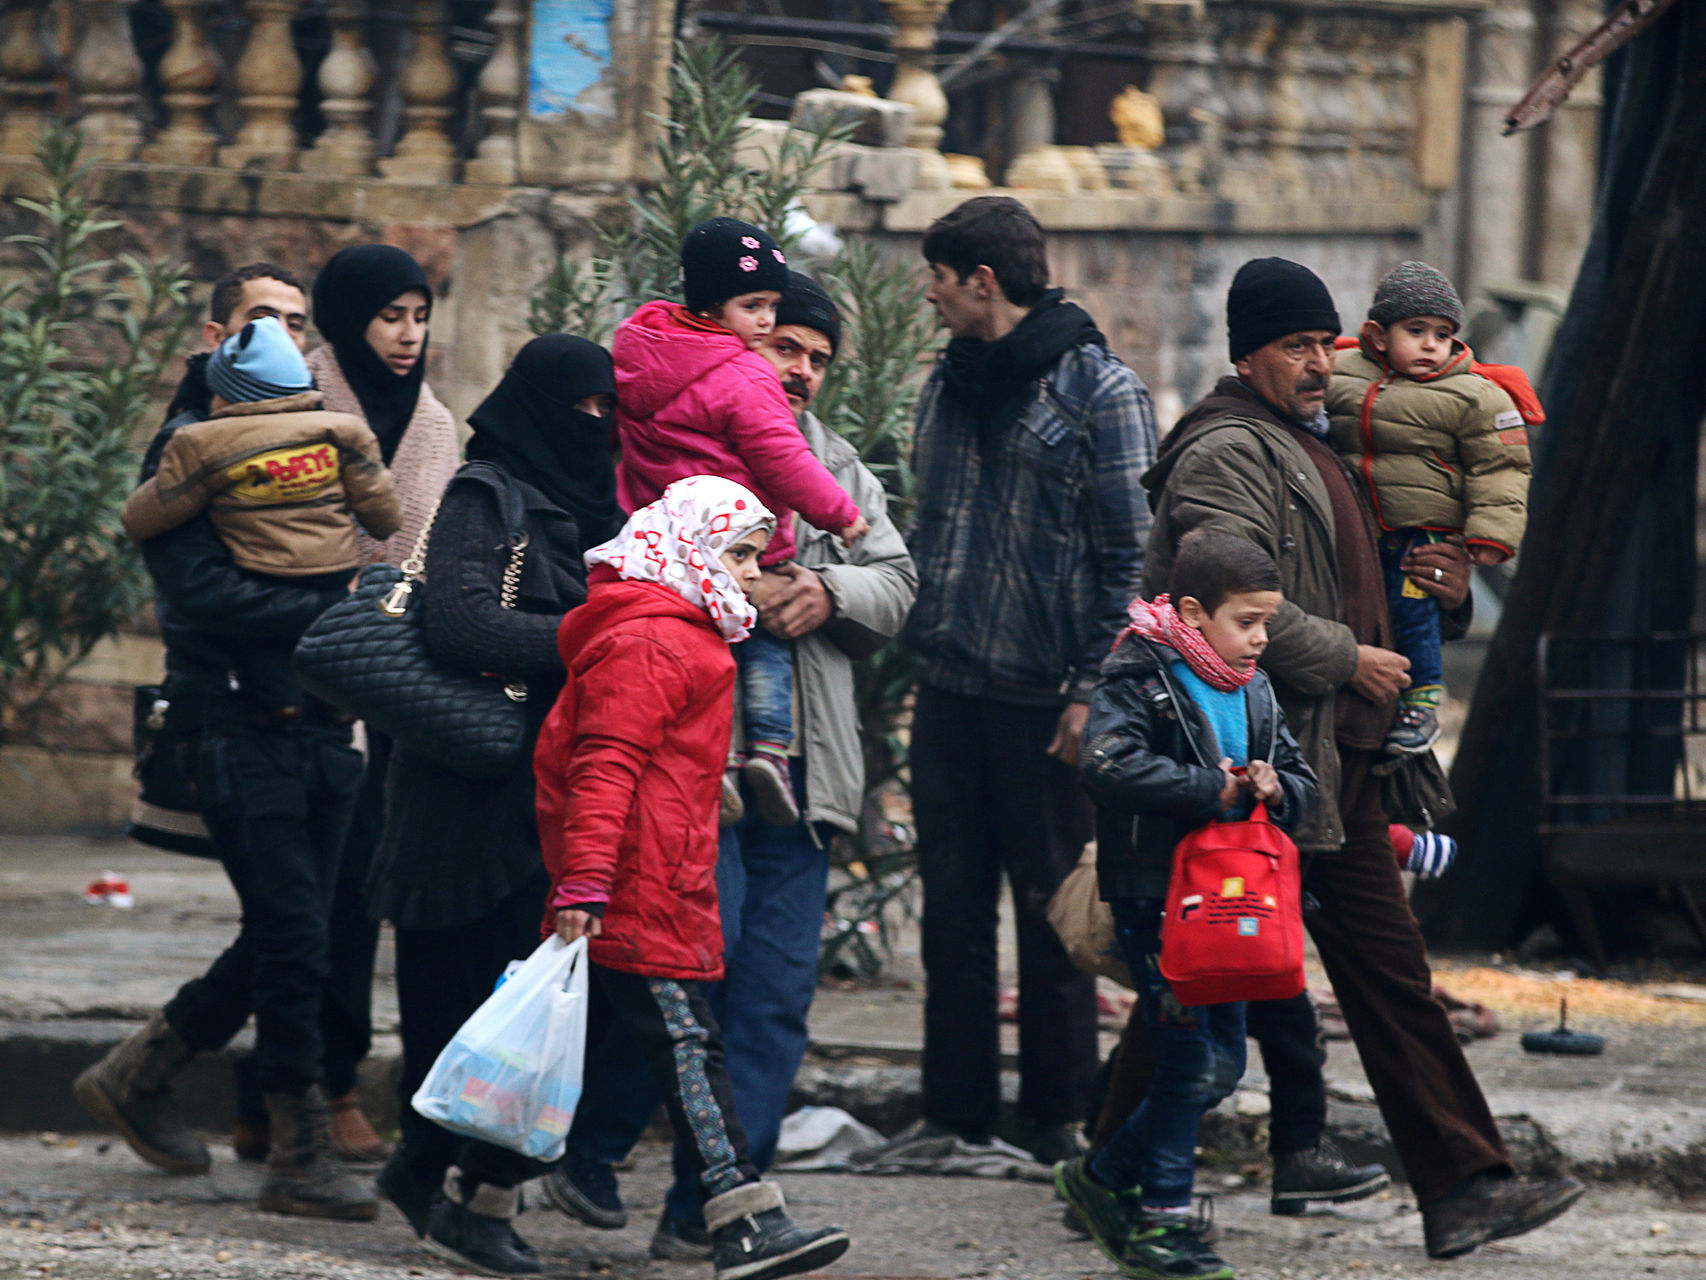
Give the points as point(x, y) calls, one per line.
point(1441, 449)
point(279, 476)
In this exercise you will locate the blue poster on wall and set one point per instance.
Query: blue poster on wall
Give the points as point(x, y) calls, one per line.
point(571, 54)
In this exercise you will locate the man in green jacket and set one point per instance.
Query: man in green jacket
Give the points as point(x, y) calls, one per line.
point(1252, 459)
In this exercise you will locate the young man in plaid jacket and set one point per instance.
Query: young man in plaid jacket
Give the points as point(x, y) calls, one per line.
point(1031, 524)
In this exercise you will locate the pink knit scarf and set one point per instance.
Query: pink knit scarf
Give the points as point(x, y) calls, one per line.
point(1158, 620)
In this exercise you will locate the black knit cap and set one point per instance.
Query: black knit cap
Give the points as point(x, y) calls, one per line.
point(1271, 297)
point(806, 304)
point(724, 258)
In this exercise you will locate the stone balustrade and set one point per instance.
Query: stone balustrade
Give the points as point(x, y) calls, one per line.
point(238, 97)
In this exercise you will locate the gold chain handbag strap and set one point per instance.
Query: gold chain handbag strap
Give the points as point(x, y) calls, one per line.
point(396, 600)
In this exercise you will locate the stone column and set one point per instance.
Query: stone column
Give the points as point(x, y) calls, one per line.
point(29, 57)
point(1184, 64)
point(189, 75)
point(1571, 153)
point(500, 100)
point(1496, 175)
point(425, 153)
point(916, 85)
point(1288, 117)
point(1036, 161)
point(269, 78)
point(1246, 43)
point(346, 81)
point(106, 74)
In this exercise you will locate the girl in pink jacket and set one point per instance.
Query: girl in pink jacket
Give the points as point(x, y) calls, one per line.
point(694, 398)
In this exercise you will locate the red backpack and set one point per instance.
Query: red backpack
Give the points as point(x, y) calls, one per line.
point(1234, 923)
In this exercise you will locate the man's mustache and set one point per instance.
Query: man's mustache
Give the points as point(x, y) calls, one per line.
point(1314, 382)
point(794, 387)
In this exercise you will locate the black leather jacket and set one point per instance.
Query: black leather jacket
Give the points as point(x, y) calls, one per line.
point(1150, 764)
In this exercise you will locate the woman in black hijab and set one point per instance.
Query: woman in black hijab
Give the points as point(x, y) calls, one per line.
point(372, 304)
point(459, 873)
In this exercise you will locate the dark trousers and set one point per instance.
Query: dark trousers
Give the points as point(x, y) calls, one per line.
point(1293, 1055)
point(1415, 616)
point(988, 801)
point(346, 1009)
point(678, 1039)
point(443, 975)
point(1373, 952)
point(771, 885)
point(277, 803)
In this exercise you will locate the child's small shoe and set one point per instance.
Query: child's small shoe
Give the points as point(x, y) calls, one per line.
point(1414, 729)
point(732, 808)
point(772, 789)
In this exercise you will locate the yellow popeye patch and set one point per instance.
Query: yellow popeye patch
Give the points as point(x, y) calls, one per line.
point(294, 474)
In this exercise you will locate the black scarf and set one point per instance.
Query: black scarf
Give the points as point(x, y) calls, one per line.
point(354, 286)
point(530, 427)
point(988, 377)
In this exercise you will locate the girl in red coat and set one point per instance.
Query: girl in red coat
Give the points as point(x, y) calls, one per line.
point(629, 768)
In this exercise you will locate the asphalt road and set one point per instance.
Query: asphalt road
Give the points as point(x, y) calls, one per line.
point(85, 1209)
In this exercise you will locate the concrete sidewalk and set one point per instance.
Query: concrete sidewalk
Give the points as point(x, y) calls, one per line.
point(75, 978)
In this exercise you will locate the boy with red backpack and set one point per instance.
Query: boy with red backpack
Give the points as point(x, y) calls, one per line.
point(1183, 731)
point(1440, 444)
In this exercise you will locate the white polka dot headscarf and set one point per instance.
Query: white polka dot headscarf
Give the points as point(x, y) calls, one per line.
point(678, 541)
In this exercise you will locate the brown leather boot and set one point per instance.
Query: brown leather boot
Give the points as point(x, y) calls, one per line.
point(352, 1136)
point(304, 1176)
point(251, 1138)
point(131, 1090)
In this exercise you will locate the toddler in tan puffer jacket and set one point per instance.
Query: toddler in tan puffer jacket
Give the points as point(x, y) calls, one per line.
point(1442, 450)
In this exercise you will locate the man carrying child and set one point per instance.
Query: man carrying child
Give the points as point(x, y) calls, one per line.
point(1252, 459)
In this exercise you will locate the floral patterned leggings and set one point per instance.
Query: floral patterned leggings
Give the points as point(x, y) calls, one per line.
point(678, 1036)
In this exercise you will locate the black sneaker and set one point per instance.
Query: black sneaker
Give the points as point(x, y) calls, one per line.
point(1321, 1173)
point(1105, 1215)
point(678, 1241)
point(755, 1239)
point(1169, 1246)
point(1414, 730)
point(1491, 1207)
point(585, 1188)
point(479, 1242)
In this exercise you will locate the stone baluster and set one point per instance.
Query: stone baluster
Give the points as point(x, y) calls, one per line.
point(1184, 63)
point(1400, 66)
point(106, 74)
point(345, 149)
point(29, 56)
point(425, 153)
point(189, 76)
point(1334, 116)
point(500, 93)
point(269, 78)
point(1244, 57)
point(916, 85)
point(1288, 117)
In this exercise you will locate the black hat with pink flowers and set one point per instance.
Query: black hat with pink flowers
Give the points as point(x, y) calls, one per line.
point(724, 258)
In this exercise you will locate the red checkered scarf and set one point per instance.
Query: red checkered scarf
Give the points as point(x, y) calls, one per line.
point(1158, 620)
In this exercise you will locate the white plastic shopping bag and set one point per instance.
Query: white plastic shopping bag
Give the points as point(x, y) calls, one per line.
point(512, 1074)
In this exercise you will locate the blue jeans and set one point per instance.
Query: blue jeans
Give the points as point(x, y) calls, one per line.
point(1415, 620)
point(771, 886)
point(766, 689)
point(1199, 1059)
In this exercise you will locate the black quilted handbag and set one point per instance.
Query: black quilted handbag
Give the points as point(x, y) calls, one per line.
point(368, 656)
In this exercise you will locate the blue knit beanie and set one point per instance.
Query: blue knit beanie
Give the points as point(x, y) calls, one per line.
point(258, 363)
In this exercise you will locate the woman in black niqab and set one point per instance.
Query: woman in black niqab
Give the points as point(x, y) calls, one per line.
point(547, 423)
point(353, 287)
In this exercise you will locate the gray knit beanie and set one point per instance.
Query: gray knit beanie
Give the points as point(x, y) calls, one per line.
point(1415, 289)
